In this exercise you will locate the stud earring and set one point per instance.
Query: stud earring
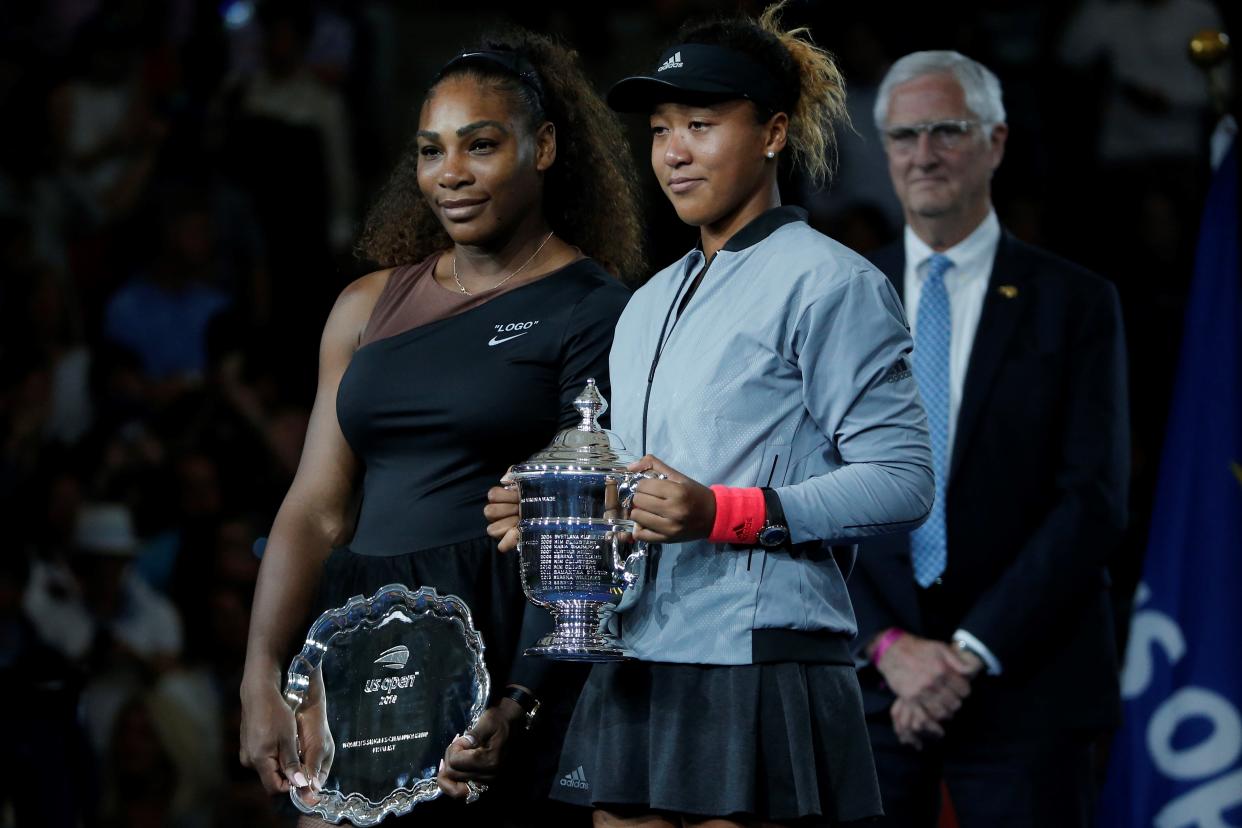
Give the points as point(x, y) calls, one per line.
point(771, 154)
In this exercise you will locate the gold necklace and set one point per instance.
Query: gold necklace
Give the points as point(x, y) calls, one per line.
point(462, 287)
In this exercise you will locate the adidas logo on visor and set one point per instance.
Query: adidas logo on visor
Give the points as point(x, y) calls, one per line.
point(576, 779)
point(673, 62)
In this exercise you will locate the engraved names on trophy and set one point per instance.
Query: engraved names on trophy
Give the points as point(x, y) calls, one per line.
point(572, 560)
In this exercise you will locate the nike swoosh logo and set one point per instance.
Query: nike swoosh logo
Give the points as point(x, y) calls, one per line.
point(497, 340)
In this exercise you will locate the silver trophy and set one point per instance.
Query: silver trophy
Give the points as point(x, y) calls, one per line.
point(387, 682)
point(576, 541)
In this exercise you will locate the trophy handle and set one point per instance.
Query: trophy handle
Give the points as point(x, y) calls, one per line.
point(625, 568)
point(628, 570)
point(628, 486)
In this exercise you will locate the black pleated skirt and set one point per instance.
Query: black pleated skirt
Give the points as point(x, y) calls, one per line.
point(780, 742)
point(489, 584)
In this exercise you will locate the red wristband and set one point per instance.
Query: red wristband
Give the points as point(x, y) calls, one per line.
point(739, 515)
point(888, 639)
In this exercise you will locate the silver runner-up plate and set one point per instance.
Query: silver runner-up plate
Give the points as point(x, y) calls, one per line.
point(385, 684)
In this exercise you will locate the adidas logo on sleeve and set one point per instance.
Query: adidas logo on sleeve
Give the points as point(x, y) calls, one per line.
point(673, 62)
point(576, 779)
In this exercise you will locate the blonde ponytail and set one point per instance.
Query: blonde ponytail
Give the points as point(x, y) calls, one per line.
point(821, 100)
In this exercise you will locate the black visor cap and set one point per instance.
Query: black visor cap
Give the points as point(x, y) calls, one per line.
point(699, 73)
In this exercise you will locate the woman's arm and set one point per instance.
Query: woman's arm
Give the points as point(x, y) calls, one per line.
point(314, 517)
point(853, 348)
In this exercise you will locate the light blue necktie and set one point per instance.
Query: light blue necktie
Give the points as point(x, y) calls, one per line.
point(928, 546)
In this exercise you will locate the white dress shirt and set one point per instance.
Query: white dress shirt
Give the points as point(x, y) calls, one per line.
point(967, 285)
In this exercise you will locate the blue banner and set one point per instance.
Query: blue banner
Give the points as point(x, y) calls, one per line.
point(1177, 760)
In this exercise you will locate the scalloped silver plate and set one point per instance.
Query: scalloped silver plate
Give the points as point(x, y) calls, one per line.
point(402, 673)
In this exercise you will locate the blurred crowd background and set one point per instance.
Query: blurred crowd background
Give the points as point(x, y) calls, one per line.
point(181, 183)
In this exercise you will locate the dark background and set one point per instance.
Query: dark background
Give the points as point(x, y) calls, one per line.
point(181, 183)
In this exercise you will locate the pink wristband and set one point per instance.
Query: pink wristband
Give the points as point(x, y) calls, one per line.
point(739, 515)
point(888, 639)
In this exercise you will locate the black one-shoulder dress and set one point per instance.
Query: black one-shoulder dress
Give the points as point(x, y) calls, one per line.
point(436, 413)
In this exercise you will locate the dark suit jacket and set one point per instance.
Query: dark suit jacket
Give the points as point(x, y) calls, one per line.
point(1036, 500)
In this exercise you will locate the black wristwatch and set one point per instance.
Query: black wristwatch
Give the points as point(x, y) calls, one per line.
point(774, 532)
point(524, 700)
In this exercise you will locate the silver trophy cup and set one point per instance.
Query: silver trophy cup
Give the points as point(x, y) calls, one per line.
point(576, 541)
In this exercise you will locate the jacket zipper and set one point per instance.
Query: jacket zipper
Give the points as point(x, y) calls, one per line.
point(679, 304)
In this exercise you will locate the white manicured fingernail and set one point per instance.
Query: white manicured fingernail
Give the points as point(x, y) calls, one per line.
point(300, 780)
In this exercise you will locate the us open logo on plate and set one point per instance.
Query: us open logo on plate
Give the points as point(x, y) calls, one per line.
point(394, 658)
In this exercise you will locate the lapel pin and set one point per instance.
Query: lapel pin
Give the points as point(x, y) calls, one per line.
point(1008, 291)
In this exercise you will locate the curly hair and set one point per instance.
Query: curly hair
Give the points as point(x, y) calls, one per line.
point(590, 195)
point(814, 86)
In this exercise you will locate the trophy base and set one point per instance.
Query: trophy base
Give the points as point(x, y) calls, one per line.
point(577, 636)
point(575, 652)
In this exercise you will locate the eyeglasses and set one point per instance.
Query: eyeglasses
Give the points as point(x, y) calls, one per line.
point(942, 135)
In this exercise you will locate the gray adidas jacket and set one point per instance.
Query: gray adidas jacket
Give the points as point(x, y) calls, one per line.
point(789, 368)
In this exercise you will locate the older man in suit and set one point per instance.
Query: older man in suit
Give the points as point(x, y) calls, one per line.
point(986, 633)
